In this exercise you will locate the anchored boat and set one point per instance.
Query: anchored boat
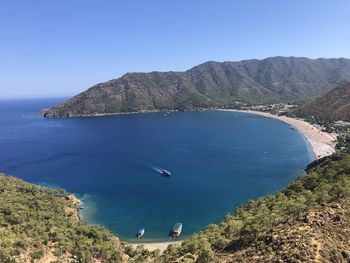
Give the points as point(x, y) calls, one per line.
point(141, 233)
point(177, 228)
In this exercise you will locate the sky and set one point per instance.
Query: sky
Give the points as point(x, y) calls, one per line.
point(62, 47)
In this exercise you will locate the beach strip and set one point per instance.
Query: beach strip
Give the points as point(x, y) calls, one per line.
point(154, 246)
point(322, 143)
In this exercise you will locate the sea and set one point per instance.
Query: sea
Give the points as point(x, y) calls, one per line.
point(218, 160)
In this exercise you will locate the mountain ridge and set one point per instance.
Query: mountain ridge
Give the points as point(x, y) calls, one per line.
point(333, 105)
point(210, 84)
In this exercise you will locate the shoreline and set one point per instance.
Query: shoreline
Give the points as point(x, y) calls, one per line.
point(156, 245)
point(151, 246)
point(43, 113)
point(322, 143)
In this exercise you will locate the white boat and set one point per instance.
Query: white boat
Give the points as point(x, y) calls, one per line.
point(141, 233)
point(165, 172)
point(177, 229)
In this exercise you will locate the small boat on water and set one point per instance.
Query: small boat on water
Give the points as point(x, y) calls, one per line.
point(177, 228)
point(165, 172)
point(141, 233)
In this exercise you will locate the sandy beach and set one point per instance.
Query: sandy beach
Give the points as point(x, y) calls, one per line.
point(322, 143)
point(153, 246)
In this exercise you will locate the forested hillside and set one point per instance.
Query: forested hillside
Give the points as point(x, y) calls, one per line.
point(211, 84)
point(42, 225)
point(333, 105)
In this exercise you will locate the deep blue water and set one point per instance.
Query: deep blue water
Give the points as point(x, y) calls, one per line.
point(218, 160)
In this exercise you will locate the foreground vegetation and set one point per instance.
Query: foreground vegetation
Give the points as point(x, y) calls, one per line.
point(37, 223)
point(307, 221)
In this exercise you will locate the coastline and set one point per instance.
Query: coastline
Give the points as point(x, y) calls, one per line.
point(43, 113)
point(322, 143)
point(154, 246)
point(76, 210)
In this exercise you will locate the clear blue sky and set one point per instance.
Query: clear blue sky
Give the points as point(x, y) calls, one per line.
point(62, 47)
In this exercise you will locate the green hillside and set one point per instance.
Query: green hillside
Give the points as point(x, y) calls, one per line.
point(37, 223)
point(333, 105)
point(212, 84)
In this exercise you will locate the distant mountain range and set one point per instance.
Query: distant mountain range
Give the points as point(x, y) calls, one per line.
point(211, 84)
point(334, 105)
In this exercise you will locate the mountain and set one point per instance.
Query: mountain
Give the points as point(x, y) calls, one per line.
point(333, 105)
point(212, 84)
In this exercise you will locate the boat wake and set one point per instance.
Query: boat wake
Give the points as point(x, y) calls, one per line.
point(159, 170)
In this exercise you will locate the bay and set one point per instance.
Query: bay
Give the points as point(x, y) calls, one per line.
point(218, 160)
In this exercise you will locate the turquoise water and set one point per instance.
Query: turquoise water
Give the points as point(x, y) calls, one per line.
point(218, 160)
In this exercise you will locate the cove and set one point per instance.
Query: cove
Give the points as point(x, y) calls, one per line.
point(218, 160)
